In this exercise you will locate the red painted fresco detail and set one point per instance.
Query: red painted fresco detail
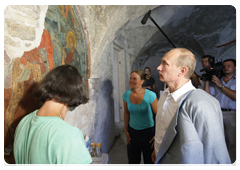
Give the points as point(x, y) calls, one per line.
point(47, 44)
point(67, 8)
point(28, 103)
point(69, 58)
point(18, 100)
point(33, 57)
point(23, 61)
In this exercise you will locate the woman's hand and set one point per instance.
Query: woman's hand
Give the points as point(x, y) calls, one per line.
point(153, 156)
point(128, 137)
point(152, 141)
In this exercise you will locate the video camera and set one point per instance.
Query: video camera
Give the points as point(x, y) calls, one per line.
point(215, 69)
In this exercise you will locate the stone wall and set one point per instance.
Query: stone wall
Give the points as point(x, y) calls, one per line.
point(37, 39)
point(23, 29)
point(102, 24)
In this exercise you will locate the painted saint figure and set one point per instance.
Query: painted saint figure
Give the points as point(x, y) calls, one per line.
point(72, 58)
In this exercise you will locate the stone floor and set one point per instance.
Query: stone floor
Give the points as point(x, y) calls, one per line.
point(118, 153)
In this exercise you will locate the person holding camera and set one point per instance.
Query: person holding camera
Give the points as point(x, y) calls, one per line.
point(224, 91)
point(196, 78)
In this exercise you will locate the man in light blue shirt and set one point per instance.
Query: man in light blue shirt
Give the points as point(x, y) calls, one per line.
point(224, 91)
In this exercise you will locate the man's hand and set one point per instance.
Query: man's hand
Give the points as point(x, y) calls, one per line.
point(229, 92)
point(217, 81)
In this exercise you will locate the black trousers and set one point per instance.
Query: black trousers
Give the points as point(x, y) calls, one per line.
point(139, 143)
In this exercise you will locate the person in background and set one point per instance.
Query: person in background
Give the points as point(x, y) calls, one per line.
point(138, 120)
point(189, 123)
point(224, 91)
point(43, 137)
point(196, 78)
point(149, 82)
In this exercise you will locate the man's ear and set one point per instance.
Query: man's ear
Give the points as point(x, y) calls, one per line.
point(183, 70)
point(235, 68)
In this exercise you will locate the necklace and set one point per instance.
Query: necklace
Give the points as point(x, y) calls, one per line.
point(148, 77)
point(60, 115)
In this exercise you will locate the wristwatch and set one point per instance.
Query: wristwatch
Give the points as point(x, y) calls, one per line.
point(222, 86)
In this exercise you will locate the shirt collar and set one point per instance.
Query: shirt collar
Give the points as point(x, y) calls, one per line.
point(177, 95)
point(234, 77)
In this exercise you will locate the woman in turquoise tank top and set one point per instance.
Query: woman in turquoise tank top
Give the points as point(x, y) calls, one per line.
point(139, 103)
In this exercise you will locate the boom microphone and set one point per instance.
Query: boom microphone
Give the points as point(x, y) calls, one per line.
point(145, 18)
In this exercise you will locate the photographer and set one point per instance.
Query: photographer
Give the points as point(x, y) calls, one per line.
point(196, 78)
point(224, 91)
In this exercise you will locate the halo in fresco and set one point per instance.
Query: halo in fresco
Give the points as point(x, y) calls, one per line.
point(70, 34)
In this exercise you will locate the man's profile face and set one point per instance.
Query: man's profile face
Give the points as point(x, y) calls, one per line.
point(205, 63)
point(168, 70)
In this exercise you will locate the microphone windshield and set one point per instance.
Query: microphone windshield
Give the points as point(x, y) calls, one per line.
point(145, 18)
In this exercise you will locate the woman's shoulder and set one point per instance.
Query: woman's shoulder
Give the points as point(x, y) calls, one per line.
point(66, 126)
point(27, 118)
point(149, 92)
point(127, 93)
point(68, 131)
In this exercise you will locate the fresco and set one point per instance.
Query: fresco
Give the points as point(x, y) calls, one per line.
point(62, 42)
point(67, 37)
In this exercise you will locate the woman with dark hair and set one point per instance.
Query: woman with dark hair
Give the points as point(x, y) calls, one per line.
point(139, 105)
point(43, 137)
point(149, 82)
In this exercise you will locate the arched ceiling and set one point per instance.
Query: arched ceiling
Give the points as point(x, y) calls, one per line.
point(102, 22)
point(199, 28)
